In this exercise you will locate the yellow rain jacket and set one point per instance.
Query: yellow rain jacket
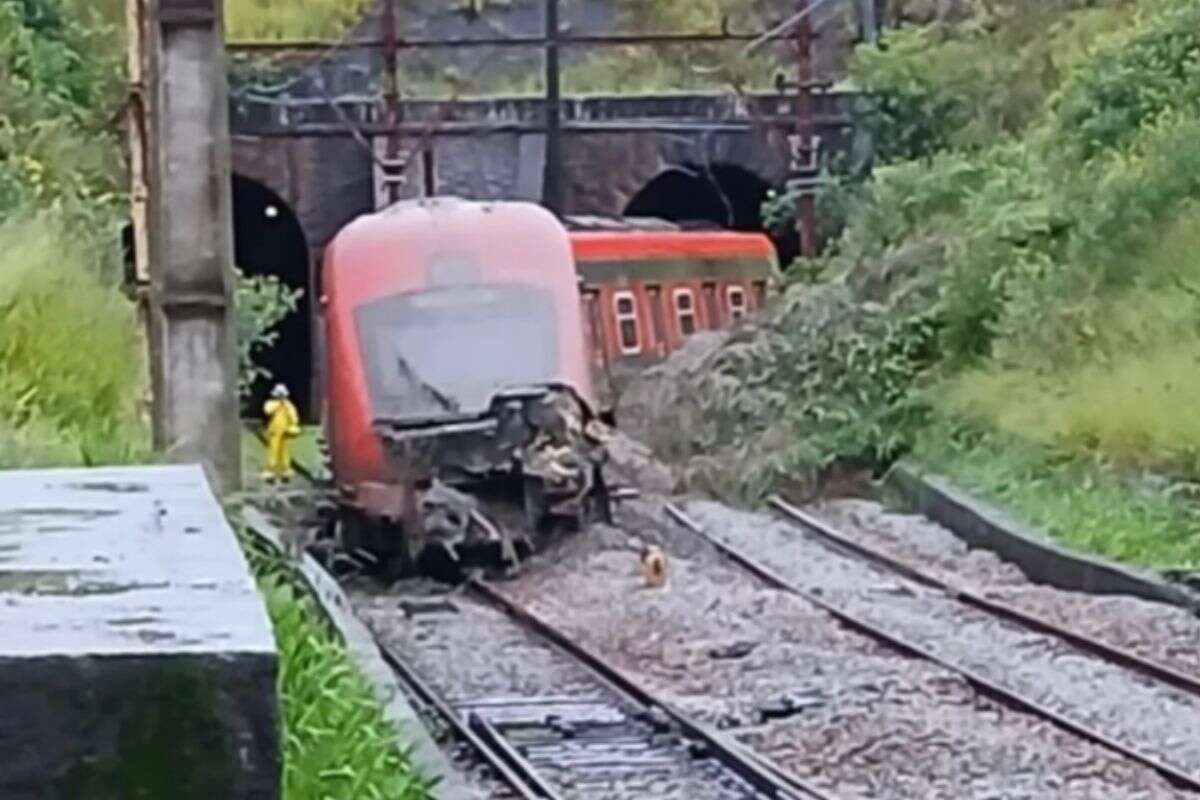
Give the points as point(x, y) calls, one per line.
point(283, 425)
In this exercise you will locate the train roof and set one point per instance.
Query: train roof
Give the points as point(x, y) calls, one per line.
point(579, 222)
point(622, 244)
point(417, 244)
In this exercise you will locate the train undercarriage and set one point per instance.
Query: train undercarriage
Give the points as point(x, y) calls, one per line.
point(481, 493)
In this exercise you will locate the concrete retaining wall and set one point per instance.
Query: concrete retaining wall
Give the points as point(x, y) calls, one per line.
point(136, 658)
point(982, 525)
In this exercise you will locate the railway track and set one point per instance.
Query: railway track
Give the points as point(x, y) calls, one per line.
point(1144, 711)
point(551, 718)
point(492, 670)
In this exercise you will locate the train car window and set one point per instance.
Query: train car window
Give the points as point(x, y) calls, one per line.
point(737, 302)
point(760, 293)
point(685, 312)
point(627, 323)
point(710, 305)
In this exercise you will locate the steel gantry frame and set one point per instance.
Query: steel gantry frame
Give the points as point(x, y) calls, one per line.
point(803, 144)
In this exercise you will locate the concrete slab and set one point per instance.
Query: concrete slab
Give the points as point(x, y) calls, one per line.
point(136, 657)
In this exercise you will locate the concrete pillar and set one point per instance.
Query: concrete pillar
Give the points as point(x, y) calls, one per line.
point(190, 239)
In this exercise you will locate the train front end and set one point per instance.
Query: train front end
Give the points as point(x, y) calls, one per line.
point(457, 370)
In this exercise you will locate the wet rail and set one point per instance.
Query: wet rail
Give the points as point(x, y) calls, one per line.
point(854, 616)
point(1117, 655)
point(511, 774)
point(554, 718)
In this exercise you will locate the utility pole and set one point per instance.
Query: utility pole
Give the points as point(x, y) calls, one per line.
point(867, 20)
point(394, 161)
point(552, 171)
point(187, 233)
point(803, 147)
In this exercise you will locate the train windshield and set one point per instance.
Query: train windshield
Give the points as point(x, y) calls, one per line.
point(445, 352)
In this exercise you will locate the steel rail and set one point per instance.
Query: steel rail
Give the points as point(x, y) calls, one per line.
point(505, 764)
point(518, 762)
point(759, 774)
point(1118, 655)
point(314, 576)
point(984, 685)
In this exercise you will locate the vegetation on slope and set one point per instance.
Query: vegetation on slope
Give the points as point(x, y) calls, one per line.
point(627, 68)
point(70, 356)
point(1013, 294)
point(291, 19)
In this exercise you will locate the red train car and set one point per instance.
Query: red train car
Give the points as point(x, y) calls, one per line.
point(648, 285)
point(455, 356)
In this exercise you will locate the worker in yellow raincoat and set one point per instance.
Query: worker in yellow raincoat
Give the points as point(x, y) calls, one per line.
point(283, 425)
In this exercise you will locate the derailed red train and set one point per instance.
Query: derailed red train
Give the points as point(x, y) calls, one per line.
point(455, 360)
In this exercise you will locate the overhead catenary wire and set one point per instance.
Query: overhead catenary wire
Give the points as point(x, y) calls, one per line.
point(784, 28)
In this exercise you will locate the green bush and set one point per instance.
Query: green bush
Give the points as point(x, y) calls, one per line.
point(59, 84)
point(967, 85)
point(1151, 67)
point(997, 270)
point(263, 301)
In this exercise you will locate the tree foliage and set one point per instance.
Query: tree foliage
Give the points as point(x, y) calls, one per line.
point(263, 301)
point(1148, 69)
point(71, 372)
point(967, 84)
point(1022, 258)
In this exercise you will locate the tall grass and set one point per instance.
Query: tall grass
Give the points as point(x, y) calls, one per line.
point(434, 73)
point(1081, 502)
point(337, 743)
point(291, 19)
point(1131, 392)
point(71, 365)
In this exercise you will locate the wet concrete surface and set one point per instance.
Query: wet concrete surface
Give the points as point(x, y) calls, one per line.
point(1149, 717)
point(581, 736)
point(118, 565)
point(133, 641)
point(830, 705)
point(1157, 631)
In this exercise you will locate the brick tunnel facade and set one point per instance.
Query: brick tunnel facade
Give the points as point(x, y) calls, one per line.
point(616, 151)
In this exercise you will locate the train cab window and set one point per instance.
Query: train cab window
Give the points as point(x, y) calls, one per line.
point(737, 302)
point(627, 323)
point(685, 311)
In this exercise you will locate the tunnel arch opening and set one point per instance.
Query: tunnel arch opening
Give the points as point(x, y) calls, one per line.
point(720, 193)
point(269, 240)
